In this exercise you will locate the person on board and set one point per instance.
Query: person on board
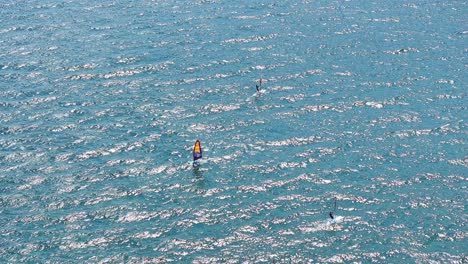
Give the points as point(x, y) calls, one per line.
point(258, 86)
point(331, 215)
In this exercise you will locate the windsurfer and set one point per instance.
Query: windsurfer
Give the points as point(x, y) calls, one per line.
point(259, 86)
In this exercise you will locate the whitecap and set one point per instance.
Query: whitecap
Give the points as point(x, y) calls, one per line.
point(137, 216)
point(146, 234)
point(248, 229)
point(157, 170)
point(374, 104)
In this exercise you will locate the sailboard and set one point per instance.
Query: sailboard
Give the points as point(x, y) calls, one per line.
point(336, 220)
point(197, 153)
point(259, 93)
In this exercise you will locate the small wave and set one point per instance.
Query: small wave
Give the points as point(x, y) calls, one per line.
point(315, 108)
point(403, 51)
point(146, 235)
point(252, 189)
point(284, 165)
point(346, 73)
point(32, 181)
point(250, 39)
point(293, 98)
point(218, 108)
point(387, 19)
point(374, 104)
point(63, 128)
point(137, 216)
point(157, 170)
point(247, 17)
point(248, 229)
point(293, 141)
point(123, 73)
point(83, 67)
point(253, 49)
point(320, 226)
point(93, 153)
point(100, 241)
point(460, 162)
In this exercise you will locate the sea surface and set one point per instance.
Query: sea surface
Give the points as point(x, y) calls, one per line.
point(365, 102)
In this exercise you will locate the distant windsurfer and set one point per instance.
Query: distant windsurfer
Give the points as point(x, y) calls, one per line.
point(197, 153)
point(258, 87)
point(334, 209)
point(334, 219)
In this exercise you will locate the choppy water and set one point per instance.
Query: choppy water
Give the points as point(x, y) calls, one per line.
point(101, 102)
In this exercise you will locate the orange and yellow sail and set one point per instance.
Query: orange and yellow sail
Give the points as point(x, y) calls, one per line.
point(197, 151)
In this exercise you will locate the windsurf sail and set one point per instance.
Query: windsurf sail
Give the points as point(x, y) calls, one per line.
point(197, 151)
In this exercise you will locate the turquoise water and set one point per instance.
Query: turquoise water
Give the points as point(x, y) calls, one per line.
point(102, 101)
